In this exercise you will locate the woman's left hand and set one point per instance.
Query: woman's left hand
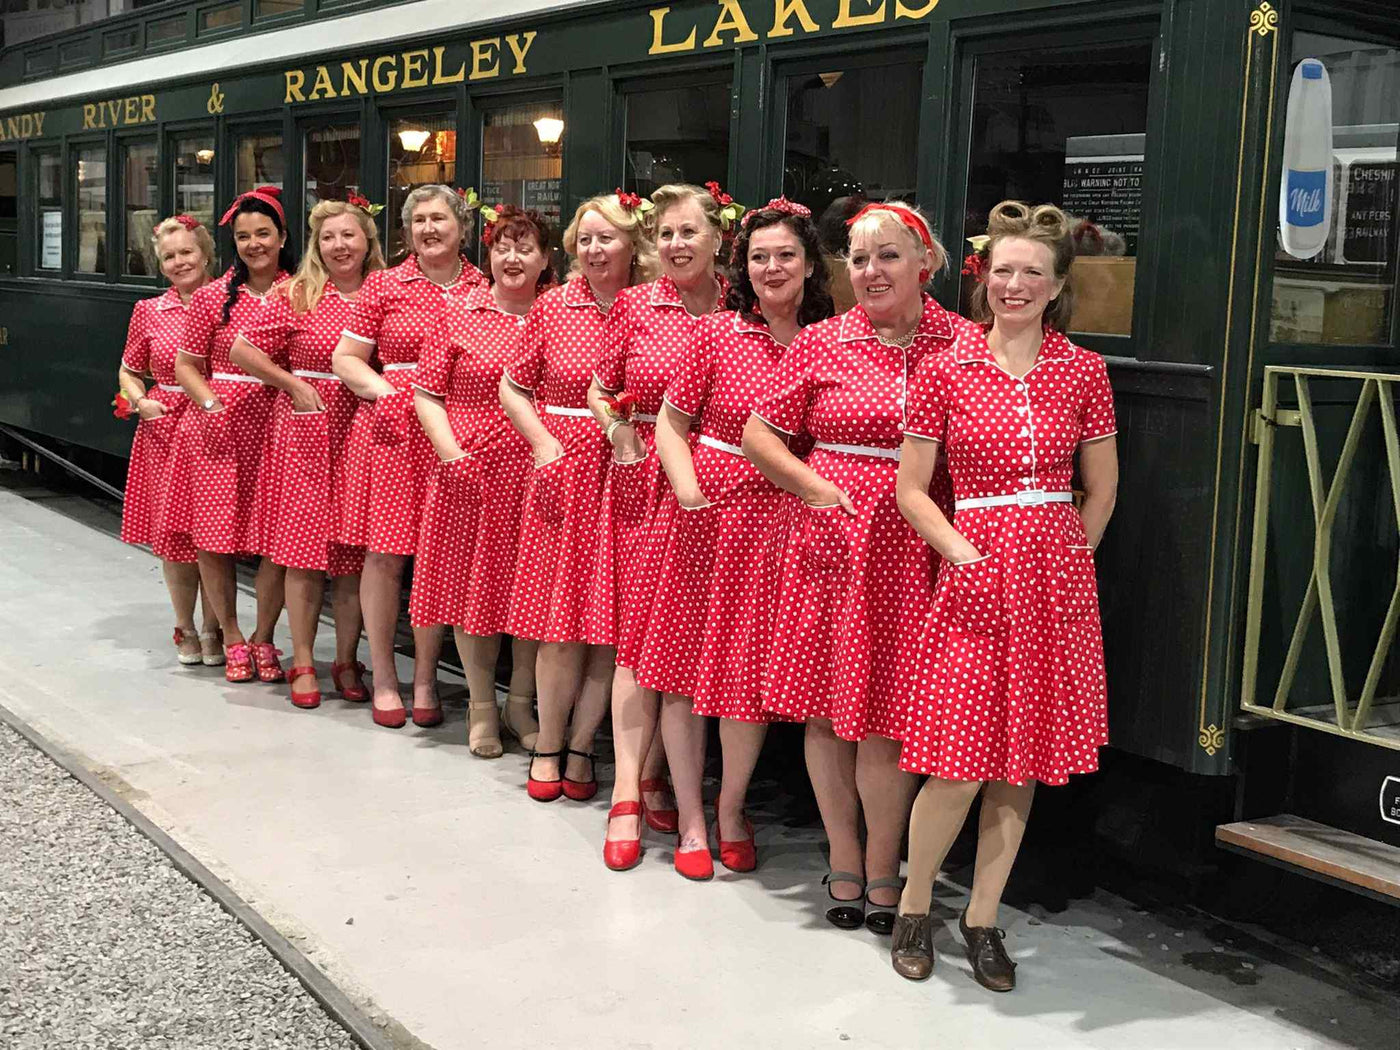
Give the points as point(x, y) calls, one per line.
point(149, 408)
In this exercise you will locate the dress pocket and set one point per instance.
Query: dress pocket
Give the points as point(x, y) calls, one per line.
point(463, 477)
point(628, 490)
point(391, 418)
point(217, 432)
point(1080, 592)
point(977, 595)
point(694, 532)
point(548, 493)
point(159, 431)
point(310, 441)
point(824, 539)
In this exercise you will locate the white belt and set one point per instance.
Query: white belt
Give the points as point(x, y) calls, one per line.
point(860, 450)
point(643, 417)
point(307, 374)
point(723, 446)
point(172, 387)
point(1026, 498)
point(402, 366)
point(560, 410)
point(232, 378)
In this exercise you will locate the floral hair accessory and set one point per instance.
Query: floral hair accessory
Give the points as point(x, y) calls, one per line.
point(633, 202)
point(269, 195)
point(975, 265)
point(189, 222)
point(620, 406)
point(469, 196)
point(121, 407)
point(783, 205)
point(729, 209)
point(363, 203)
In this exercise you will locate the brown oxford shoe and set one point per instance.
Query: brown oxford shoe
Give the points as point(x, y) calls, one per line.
point(991, 966)
point(912, 952)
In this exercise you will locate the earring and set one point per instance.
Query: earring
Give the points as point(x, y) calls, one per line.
point(923, 276)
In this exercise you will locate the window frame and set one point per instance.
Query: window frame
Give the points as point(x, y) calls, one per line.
point(377, 152)
point(486, 103)
point(701, 73)
point(72, 146)
point(12, 155)
point(32, 248)
point(121, 141)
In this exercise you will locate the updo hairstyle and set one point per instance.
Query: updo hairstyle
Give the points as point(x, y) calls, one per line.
point(879, 220)
point(202, 239)
point(1045, 224)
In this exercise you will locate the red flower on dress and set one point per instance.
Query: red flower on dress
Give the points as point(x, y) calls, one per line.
point(621, 405)
point(975, 265)
point(121, 407)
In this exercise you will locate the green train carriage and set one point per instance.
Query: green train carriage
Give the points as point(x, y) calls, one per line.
point(1255, 392)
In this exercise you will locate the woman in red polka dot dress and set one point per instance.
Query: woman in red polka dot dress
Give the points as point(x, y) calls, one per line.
point(649, 335)
point(706, 548)
point(388, 451)
point(298, 485)
point(856, 581)
point(186, 252)
point(471, 521)
point(544, 392)
point(1010, 687)
point(224, 433)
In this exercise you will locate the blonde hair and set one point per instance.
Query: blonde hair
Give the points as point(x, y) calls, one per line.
point(880, 218)
point(304, 291)
point(644, 260)
point(202, 239)
point(460, 209)
point(668, 196)
point(1044, 224)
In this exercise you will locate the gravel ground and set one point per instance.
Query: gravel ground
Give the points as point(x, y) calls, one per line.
point(104, 944)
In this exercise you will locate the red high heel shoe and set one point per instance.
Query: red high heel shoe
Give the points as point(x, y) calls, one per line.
point(543, 790)
point(427, 717)
point(622, 854)
point(311, 697)
point(696, 864)
point(356, 693)
point(238, 663)
point(663, 821)
point(265, 660)
point(395, 719)
point(581, 790)
point(741, 854)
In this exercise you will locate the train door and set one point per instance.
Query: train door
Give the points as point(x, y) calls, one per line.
point(420, 147)
point(9, 213)
point(521, 138)
point(674, 128)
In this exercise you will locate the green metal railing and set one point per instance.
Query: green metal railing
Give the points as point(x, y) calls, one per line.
point(1354, 718)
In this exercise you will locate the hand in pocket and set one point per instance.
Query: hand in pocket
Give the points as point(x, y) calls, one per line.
point(547, 492)
point(823, 537)
point(217, 432)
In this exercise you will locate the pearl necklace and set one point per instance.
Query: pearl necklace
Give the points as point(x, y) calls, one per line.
point(455, 277)
point(903, 342)
point(603, 305)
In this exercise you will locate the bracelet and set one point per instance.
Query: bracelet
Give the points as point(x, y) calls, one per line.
point(608, 432)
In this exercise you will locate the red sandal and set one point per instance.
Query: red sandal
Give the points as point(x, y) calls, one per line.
point(356, 692)
point(311, 697)
point(238, 663)
point(265, 660)
point(663, 821)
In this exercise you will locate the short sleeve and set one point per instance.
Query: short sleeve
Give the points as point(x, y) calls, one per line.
point(788, 404)
point(690, 389)
point(526, 368)
point(272, 328)
point(928, 400)
point(202, 317)
point(1096, 418)
point(136, 355)
point(368, 312)
point(435, 357)
point(611, 372)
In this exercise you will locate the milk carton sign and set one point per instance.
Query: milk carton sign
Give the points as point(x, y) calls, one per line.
point(1305, 198)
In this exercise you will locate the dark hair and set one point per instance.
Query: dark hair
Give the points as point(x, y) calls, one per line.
point(286, 258)
point(816, 298)
point(515, 223)
point(1045, 224)
point(831, 227)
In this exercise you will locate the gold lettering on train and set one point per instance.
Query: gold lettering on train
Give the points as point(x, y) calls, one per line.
point(785, 9)
point(903, 10)
point(658, 16)
point(446, 64)
point(731, 20)
point(119, 112)
point(22, 126)
point(732, 26)
point(844, 18)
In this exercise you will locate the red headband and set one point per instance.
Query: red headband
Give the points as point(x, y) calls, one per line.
point(267, 194)
point(783, 205)
point(907, 216)
point(189, 222)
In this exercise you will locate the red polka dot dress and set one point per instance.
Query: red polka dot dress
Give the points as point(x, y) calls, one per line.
point(391, 457)
point(152, 342)
point(649, 334)
point(299, 485)
point(704, 615)
point(470, 537)
point(225, 448)
point(853, 591)
point(1010, 681)
point(559, 350)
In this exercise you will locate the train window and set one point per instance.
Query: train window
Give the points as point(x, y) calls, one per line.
point(332, 162)
point(9, 214)
point(141, 203)
point(165, 31)
point(48, 196)
point(91, 182)
point(192, 176)
point(676, 134)
point(852, 131)
point(274, 8)
point(522, 157)
point(224, 16)
point(1344, 293)
point(1067, 126)
point(258, 161)
point(422, 149)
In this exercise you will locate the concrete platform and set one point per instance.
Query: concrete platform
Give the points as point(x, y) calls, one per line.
point(431, 889)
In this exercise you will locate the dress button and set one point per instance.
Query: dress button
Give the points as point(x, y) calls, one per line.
point(1025, 431)
point(1021, 387)
point(1025, 459)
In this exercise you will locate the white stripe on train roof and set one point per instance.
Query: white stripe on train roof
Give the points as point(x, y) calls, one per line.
point(381, 26)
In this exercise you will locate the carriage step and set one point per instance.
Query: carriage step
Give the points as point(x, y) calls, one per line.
point(1330, 854)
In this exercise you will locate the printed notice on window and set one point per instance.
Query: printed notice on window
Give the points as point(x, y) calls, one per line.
point(1103, 183)
point(51, 244)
